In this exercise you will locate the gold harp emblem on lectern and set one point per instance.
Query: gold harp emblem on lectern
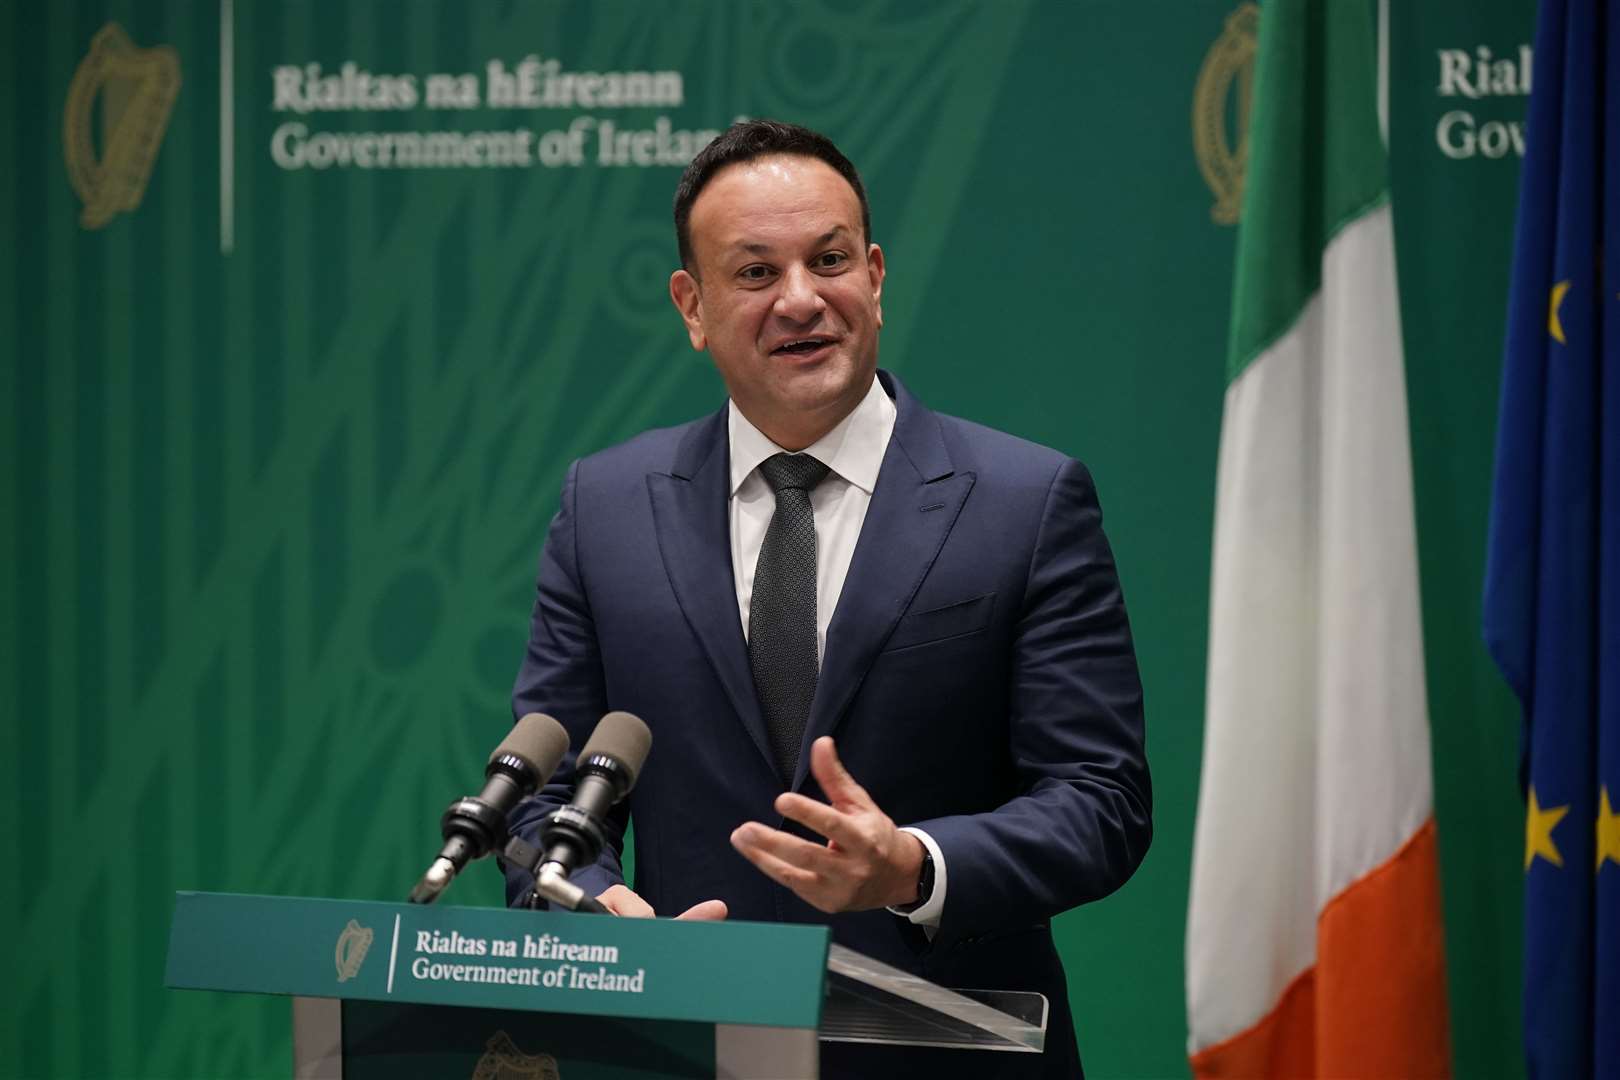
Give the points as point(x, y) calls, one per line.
point(350, 953)
point(502, 1060)
point(1224, 85)
point(137, 88)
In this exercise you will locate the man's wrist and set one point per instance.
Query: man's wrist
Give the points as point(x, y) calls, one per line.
point(916, 875)
point(930, 908)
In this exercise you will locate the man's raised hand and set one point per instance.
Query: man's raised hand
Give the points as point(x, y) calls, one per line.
point(867, 861)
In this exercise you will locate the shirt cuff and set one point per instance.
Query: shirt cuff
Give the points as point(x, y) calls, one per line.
point(933, 906)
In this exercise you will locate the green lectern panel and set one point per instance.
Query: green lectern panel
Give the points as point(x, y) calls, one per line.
point(383, 1041)
point(560, 962)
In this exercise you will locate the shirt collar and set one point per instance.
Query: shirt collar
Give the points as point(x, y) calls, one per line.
point(853, 449)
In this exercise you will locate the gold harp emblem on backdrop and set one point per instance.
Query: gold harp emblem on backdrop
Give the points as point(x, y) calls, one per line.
point(350, 951)
point(503, 1060)
point(1224, 85)
point(137, 88)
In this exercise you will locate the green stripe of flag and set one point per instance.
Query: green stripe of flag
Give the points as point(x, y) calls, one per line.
point(1316, 161)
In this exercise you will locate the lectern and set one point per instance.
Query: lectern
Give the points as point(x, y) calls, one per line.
point(401, 990)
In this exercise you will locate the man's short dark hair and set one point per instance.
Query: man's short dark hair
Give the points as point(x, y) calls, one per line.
point(745, 141)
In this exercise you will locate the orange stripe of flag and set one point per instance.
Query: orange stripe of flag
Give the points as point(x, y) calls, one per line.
point(1374, 1004)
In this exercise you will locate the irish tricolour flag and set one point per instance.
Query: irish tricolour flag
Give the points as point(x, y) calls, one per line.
point(1314, 938)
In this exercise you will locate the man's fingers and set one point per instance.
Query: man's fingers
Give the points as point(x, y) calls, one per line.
point(776, 868)
point(707, 911)
point(785, 846)
point(622, 901)
point(832, 824)
point(808, 861)
point(834, 779)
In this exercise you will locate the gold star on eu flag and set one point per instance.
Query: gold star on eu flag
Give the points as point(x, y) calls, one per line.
point(1555, 326)
point(1608, 830)
point(1538, 827)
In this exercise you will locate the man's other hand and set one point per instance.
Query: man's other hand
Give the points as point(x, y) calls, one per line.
point(623, 901)
point(867, 861)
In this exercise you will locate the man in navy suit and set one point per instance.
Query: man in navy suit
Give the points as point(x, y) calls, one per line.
point(883, 652)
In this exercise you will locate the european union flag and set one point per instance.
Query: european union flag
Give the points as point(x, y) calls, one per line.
point(1552, 584)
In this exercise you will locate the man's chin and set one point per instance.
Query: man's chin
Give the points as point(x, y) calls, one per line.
point(821, 385)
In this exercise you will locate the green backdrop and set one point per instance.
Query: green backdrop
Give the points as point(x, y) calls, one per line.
point(272, 514)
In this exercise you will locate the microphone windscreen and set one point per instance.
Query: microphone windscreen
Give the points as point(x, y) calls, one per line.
point(622, 737)
point(538, 740)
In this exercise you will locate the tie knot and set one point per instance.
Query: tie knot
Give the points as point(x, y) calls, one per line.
point(786, 471)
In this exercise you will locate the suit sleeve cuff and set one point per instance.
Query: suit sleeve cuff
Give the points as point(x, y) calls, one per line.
point(933, 906)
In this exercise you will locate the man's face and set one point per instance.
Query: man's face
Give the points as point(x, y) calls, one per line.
point(784, 294)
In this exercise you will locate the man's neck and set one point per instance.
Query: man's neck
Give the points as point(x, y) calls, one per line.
point(799, 440)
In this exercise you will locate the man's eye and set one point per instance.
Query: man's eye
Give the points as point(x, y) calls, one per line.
point(831, 260)
point(754, 273)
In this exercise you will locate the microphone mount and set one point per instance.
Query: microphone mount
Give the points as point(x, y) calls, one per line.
point(551, 883)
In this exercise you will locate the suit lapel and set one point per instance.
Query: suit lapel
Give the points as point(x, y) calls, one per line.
point(914, 505)
point(690, 515)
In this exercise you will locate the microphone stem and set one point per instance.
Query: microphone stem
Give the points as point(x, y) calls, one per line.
point(434, 882)
point(551, 883)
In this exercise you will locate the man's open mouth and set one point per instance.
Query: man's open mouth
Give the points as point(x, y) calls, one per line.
point(801, 346)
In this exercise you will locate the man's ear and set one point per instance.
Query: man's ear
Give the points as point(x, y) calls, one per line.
point(683, 290)
point(874, 273)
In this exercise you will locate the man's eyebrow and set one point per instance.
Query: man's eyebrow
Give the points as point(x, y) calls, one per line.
point(765, 249)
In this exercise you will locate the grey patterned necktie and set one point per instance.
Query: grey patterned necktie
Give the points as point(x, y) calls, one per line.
point(782, 613)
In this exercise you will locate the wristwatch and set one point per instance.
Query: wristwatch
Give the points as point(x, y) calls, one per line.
point(925, 883)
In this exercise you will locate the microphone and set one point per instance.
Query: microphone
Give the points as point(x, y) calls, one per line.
point(475, 826)
point(572, 836)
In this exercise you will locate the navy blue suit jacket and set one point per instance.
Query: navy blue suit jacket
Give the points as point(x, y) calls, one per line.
point(978, 676)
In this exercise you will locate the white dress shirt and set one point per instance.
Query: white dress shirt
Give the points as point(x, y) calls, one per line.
point(853, 453)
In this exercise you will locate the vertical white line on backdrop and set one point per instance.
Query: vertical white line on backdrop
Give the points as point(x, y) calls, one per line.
point(227, 130)
point(1383, 71)
point(393, 954)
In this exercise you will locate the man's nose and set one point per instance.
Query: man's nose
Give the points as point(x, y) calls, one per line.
point(799, 297)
